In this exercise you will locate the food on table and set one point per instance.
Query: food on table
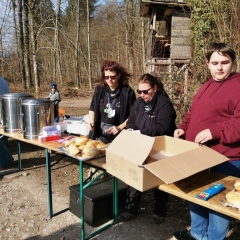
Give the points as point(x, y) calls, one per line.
point(85, 147)
point(82, 140)
point(91, 152)
point(233, 197)
point(73, 149)
point(92, 143)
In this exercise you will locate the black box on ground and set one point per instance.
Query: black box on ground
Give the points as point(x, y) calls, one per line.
point(98, 201)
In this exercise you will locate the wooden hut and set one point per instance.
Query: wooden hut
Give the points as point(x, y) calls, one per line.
point(169, 34)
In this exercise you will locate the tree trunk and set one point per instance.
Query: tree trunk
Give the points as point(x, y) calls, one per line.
point(89, 49)
point(27, 63)
point(130, 13)
point(33, 44)
point(21, 43)
point(77, 58)
point(57, 59)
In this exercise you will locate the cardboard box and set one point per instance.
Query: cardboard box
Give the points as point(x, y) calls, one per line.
point(145, 162)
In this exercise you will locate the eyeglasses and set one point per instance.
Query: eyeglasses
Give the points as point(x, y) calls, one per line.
point(111, 77)
point(143, 91)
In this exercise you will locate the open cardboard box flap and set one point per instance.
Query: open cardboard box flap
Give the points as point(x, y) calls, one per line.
point(145, 162)
point(132, 146)
point(183, 165)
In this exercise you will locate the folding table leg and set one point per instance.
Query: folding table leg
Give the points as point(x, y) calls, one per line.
point(81, 199)
point(19, 156)
point(49, 183)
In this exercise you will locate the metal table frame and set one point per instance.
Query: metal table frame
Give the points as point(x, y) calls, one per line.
point(83, 185)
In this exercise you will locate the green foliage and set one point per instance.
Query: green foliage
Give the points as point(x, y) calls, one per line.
point(210, 22)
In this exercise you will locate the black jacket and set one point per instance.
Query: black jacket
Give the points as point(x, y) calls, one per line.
point(160, 122)
point(127, 98)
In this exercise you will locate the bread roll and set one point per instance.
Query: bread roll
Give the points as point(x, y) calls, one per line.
point(91, 152)
point(81, 140)
point(101, 145)
point(237, 186)
point(68, 142)
point(73, 149)
point(81, 147)
point(233, 198)
point(92, 143)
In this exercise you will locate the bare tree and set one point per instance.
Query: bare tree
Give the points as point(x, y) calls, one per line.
point(33, 43)
point(57, 59)
point(21, 43)
point(27, 62)
point(89, 49)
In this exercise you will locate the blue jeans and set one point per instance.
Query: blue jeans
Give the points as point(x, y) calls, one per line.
point(207, 224)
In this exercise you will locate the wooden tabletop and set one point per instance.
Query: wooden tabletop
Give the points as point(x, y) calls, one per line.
point(189, 187)
point(53, 146)
point(186, 189)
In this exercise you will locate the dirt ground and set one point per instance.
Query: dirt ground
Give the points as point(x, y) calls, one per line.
point(24, 207)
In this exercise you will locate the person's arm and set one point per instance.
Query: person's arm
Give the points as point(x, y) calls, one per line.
point(91, 120)
point(228, 131)
point(132, 116)
point(116, 129)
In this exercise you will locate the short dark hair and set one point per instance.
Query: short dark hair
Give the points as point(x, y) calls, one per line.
point(222, 48)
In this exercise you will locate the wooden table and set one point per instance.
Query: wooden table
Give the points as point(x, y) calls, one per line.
point(99, 163)
point(189, 187)
point(186, 189)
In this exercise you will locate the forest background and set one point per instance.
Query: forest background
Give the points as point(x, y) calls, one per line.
point(66, 41)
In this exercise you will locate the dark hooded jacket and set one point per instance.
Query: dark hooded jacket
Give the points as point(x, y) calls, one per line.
point(127, 97)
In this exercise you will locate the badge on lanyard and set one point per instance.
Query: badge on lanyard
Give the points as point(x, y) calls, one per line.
point(110, 108)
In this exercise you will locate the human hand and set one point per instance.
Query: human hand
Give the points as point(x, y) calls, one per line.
point(179, 133)
point(91, 126)
point(203, 136)
point(114, 130)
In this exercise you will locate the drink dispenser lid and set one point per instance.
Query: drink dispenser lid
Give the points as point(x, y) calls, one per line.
point(16, 95)
point(36, 101)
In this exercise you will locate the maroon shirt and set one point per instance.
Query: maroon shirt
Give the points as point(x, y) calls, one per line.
point(216, 106)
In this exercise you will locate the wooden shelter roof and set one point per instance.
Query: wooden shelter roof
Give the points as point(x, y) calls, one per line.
point(163, 7)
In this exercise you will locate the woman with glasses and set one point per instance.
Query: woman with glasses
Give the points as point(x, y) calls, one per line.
point(111, 102)
point(153, 115)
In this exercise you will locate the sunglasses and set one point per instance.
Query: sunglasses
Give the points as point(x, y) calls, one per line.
point(111, 77)
point(143, 91)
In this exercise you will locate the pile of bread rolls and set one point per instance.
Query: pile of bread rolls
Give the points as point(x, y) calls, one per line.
point(233, 197)
point(84, 147)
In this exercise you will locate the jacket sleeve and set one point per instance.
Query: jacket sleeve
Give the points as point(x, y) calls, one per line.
point(165, 119)
point(93, 100)
point(132, 116)
point(186, 121)
point(131, 100)
point(228, 131)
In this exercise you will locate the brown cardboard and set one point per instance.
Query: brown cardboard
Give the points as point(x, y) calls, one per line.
point(177, 159)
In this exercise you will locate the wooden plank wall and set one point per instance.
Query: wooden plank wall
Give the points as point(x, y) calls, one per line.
point(180, 36)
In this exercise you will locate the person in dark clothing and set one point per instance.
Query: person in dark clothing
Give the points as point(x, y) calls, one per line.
point(153, 115)
point(111, 102)
point(54, 95)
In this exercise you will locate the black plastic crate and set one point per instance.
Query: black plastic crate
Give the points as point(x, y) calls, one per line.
point(98, 201)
